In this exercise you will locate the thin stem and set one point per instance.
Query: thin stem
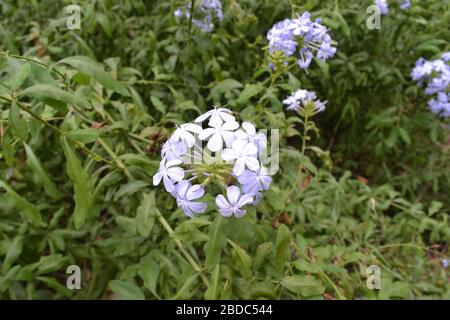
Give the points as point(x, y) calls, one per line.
point(58, 131)
point(6, 55)
point(191, 15)
point(111, 153)
point(186, 254)
point(321, 273)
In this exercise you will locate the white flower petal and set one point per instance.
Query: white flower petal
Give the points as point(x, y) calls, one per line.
point(233, 194)
point(157, 178)
point(206, 133)
point(228, 137)
point(239, 167)
point(252, 163)
point(229, 154)
point(249, 128)
point(192, 127)
point(231, 125)
point(215, 143)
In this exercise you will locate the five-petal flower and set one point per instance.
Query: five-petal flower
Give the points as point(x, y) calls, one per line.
point(184, 133)
point(218, 134)
point(253, 182)
point(250, 135)
point(169, 173)
point(186, 193)
point(245, 155)
point(216, 116)
point(235, 202)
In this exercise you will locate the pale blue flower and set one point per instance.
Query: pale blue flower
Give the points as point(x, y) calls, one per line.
point(250, 135)
point(405, 4)
point(284, 36)
point(186, 193)
point(436, 75)
point(383, 6)
point(441, 105)
point(255, 181)
point(244, 154)
point(281, 38)
point(217, 134)
point(173, 149)
point(169, 173)
point(235, 202)
point(216, 116)
point(208, 11)
point(298, 99)
point(185, 133)
point(446, 56)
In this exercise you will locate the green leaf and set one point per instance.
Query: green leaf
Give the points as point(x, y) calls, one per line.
point(104, 22)
point(158, 104)
point(128, 224)
point(404, 135)
point(13, 253)
point(217, 241)
point(149, 272)
point(46, 92)
point(250, 91)
point(41, 177)
point(281, 249)
point(244, 262)
point(145, 215)
point(126, 290)
point(16, 81)
point(87, 135)
point(88, 66)
point(305, 266)
point(83, 187)
point(130, 188)
point(184, 292)
point(213, 290)
point(306, 286)
point(8, 148)
point(224, 86)
point(189, 230)
point(51, 263)
point(18, 125)
point(30, 211)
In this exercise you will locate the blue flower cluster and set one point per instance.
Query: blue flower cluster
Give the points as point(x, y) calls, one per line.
point(436, 75)
point(301, 98)
point(208, 10)
point(302, 35)
point(242, 162)
point(384, 6)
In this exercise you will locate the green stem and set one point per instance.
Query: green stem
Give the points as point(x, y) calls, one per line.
point(58, 131)
point(186, 254)
point(192, 15)
point(321, 273)
point(6, 55)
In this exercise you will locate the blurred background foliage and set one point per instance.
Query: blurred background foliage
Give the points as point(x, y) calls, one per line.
point(83, 114)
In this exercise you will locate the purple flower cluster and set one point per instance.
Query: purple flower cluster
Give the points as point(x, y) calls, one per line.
point(383, 6)
point(405, 4)
point(243, 147)
point(301, 98)
point(208, 11)
point(436, 75)
point(303, 36)
point(445, 263)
